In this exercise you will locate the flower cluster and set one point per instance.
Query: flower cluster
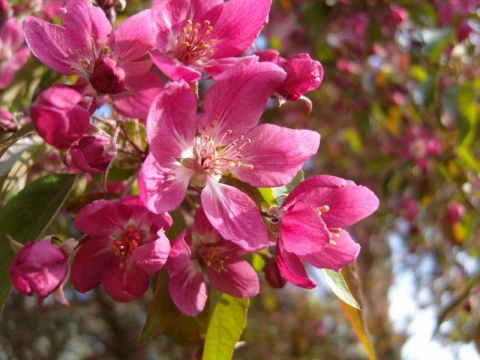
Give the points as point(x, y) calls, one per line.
point(180, 73)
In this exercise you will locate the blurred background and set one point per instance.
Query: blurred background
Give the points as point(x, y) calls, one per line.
point(397, 112)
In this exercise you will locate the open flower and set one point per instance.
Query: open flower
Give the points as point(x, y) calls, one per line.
point(113, 62)
point(203, 249)
point(193, 149)
point(196, 35)
point(311, 224)
point(12, 54)
point(125, 244)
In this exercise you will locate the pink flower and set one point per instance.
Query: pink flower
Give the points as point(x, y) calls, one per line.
point(113, 62)
point(12, 54)
point(125, 244)
point(193, 149)
point(91, 153)
point(454, 212)
point(204, 249)
point(303, 73)
point(59, 117)
point(311, 225)
point(196, 35)
point(7, 121)
point(40, 268)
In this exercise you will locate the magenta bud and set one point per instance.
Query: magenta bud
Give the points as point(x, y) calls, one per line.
point(59, 117)
point(91, 153)
point(399, 14)
point(454, 212)
point(273, 275)
point(107, 77)
point(38, 268)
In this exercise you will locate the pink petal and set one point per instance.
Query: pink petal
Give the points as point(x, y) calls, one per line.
point(239, 279)
point(152, 256)
point(303, 231)
point(124, 284)
point(187, 289)
point(179, 257)
point(90, 259)
point(202, 227)
point(238, 26)
point(103, 218)
point(292, 268)
point(163, 189)
point(171, 122)
point(135, 37)
point(48, 43)
point(237, 100)
point(174, 68)
point(234, 215)
point(140, 93)
point(82, 21)
point(335, 257)
point(348, 204)
point(276, 153)
point(11, 34)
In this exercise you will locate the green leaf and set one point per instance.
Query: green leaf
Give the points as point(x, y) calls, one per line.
point(162, 312)
point(268, 195)
point(467, 108)
point(26, 216)
point(227, 322)
point(435, 41)
point(339, 287)
point(20, 133)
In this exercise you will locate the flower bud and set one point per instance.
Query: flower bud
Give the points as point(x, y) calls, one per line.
point(454, 212)
point(7, 122)
point(91, 153)
point(58, 116)
point(273, 275)
point(38, 268)
point(107, 77)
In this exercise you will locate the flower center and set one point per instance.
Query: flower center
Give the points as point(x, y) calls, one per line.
point(126, 244)
point(215, 159)
point(212, 257)
point(192, 44)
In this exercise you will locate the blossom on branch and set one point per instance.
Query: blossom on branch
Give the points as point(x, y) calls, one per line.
point(125, 244)
point(311, 223)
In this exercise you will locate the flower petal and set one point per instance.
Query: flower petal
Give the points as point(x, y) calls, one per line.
point(124, 284)
point(303, 231)
point(334, 257)
point(187, 289)
point(234, 215)
point(239, 279)
point(151, 256)
point(163, 189)
point(276, 153)
point(48, 43)
point(292, 268)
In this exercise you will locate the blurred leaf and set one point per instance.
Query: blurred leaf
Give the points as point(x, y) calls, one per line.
point(26, 216)
point(336, 282)
point(466, 157)
point(350, 135)
point(20, 133)
point(178, 225)
point(258, 262)
point(467, 111)
point(162, 312)
point(227, 322)
point(435, 41)
point(354, 315)
point(418, 73)
point(189, 331)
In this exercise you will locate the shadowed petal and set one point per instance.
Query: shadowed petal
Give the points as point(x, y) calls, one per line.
point(239, 279)
point(292, 268)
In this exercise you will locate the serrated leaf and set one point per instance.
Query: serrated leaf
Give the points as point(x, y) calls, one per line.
point(227, 322)
point(339, 287)
point(354, 315)
point(162, 312)
point(26, 216)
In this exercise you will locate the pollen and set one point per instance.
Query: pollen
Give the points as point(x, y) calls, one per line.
point(213, 258)
point(126, 244)
point(193, 43)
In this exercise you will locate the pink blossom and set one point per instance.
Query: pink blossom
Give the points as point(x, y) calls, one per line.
point(196, 35)
point(7, 121)
point(113, 62)
point(125, 244)
point(12, 54)
point(311, 225)
point(91, 153)
point(303, 73)
point(193, 149)
point(59, 117)
point(203, 249)
point(454, 212)
point(40, 268)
